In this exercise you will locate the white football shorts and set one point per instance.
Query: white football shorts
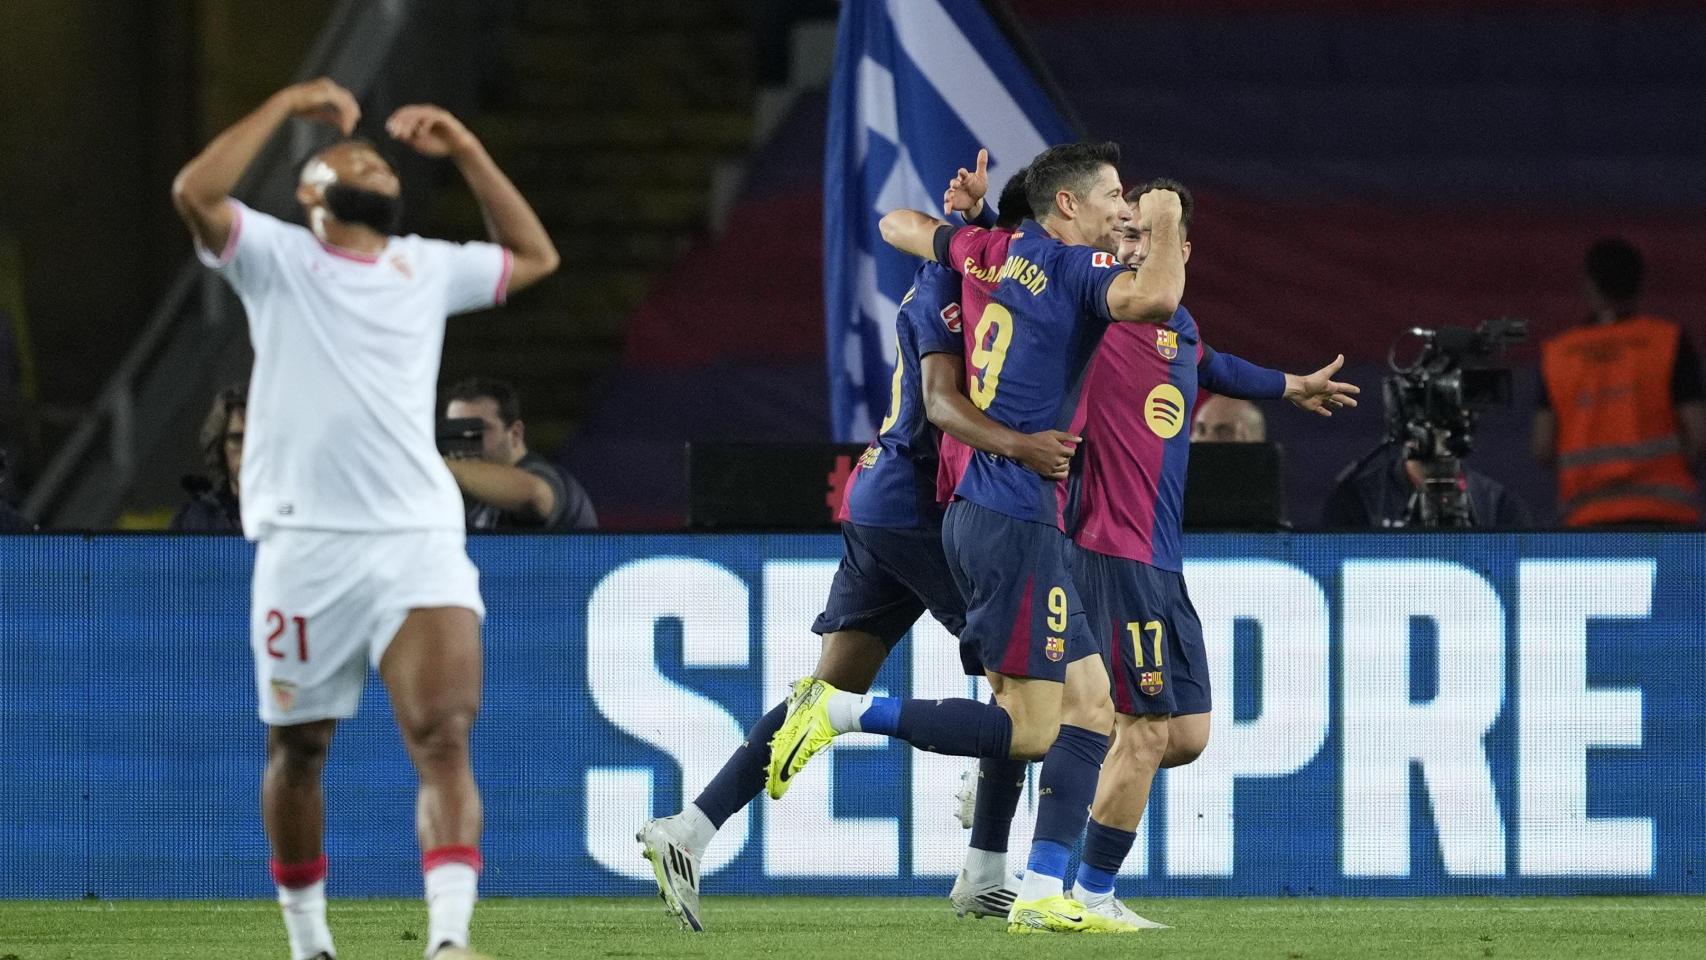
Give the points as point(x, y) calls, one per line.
point(326, 604)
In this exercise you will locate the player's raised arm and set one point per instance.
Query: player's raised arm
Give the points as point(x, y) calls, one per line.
point(510, 220)
point(1152, 293)
point(1048, 453)
point(911, 232)
point(202, 187)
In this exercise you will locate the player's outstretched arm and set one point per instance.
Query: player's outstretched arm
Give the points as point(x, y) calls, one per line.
point(1152, 293)
point(510, 220)
point(911, 232)
point(1318, 392)
point(201, 188)
point(1048, 453)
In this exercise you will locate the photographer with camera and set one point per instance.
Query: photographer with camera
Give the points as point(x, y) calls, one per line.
point(1416, 478)
point(1622, 413)
point(505, 486)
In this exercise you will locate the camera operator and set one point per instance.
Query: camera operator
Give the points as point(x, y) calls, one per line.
point(213, 505)
point(1377, 491)
point(506, 486)
point(1417, 478)
point(1622, 413)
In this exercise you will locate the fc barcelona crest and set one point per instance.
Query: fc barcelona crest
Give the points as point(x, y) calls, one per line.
point(1149, 682)
point(1054, 648)
point(1167, 342)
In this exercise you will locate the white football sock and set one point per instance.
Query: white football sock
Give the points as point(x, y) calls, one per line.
point(1037, 886)
point(985, 867)
point(305, 920)
point(845, 709)
point(451, 890)
point(699, 829)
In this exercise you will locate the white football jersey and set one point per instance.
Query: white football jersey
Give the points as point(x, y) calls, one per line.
point(339, 433)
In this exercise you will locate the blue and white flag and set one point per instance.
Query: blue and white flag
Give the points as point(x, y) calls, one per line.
point(919, 86)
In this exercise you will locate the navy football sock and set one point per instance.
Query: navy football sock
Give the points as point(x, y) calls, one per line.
point(1105, 850)
point(999, 785)
point(1065, 788)
point(742, 777)
point(961, 728)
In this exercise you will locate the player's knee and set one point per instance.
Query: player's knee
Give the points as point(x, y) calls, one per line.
point(1183, 750)
point(1141, 743)
point(297, 752)
point(439, 735)
point(1091, 711)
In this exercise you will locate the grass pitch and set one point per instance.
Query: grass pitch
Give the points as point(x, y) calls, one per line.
point(867, 929)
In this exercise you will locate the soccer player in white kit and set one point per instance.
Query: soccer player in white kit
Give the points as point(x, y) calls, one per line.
point(361, 557)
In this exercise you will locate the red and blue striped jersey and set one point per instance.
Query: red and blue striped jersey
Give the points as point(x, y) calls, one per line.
point(894, 483)
point(1129, 484)
point(976, 255)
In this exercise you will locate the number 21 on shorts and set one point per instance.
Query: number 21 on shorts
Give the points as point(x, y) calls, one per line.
point(276, 624)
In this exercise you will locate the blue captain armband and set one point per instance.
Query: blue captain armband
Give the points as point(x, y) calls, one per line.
point(1235, 377)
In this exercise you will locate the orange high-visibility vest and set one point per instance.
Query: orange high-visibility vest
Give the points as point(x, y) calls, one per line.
point(1619, 450)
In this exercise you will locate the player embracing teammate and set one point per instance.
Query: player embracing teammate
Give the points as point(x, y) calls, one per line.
point(360, 554)
point(1028, 356)
point(1056, 292)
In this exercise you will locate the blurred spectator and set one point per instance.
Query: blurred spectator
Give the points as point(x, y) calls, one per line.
point(1228, 420)
point(507, 487)
point(1376, 492)
point(1622, 413)
point(213, 504)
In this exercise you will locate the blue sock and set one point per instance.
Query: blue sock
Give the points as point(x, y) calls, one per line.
point(999, 785)
point(743, 775)
point(1049, 858)
point(1065, 788)
point(961, 728)
point(1105, 850)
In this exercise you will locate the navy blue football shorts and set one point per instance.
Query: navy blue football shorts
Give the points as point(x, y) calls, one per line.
point(888, 578)
point(1149, 634)
point(1023, 615)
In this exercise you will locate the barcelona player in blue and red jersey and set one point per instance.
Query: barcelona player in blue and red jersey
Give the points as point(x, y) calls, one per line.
point(1129, 485)
point(1057, 291)
point(892, 570)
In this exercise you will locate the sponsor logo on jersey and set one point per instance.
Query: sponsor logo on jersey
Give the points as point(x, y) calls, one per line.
point(1104, 260)
point(951, 315)
point(1167, 342)
point(1149, 682)
point(1054, 648)
point(1164, 411)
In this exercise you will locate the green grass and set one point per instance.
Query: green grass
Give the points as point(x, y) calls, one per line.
point(864, 929)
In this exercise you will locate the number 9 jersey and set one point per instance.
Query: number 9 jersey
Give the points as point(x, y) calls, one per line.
point(1026, 360)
